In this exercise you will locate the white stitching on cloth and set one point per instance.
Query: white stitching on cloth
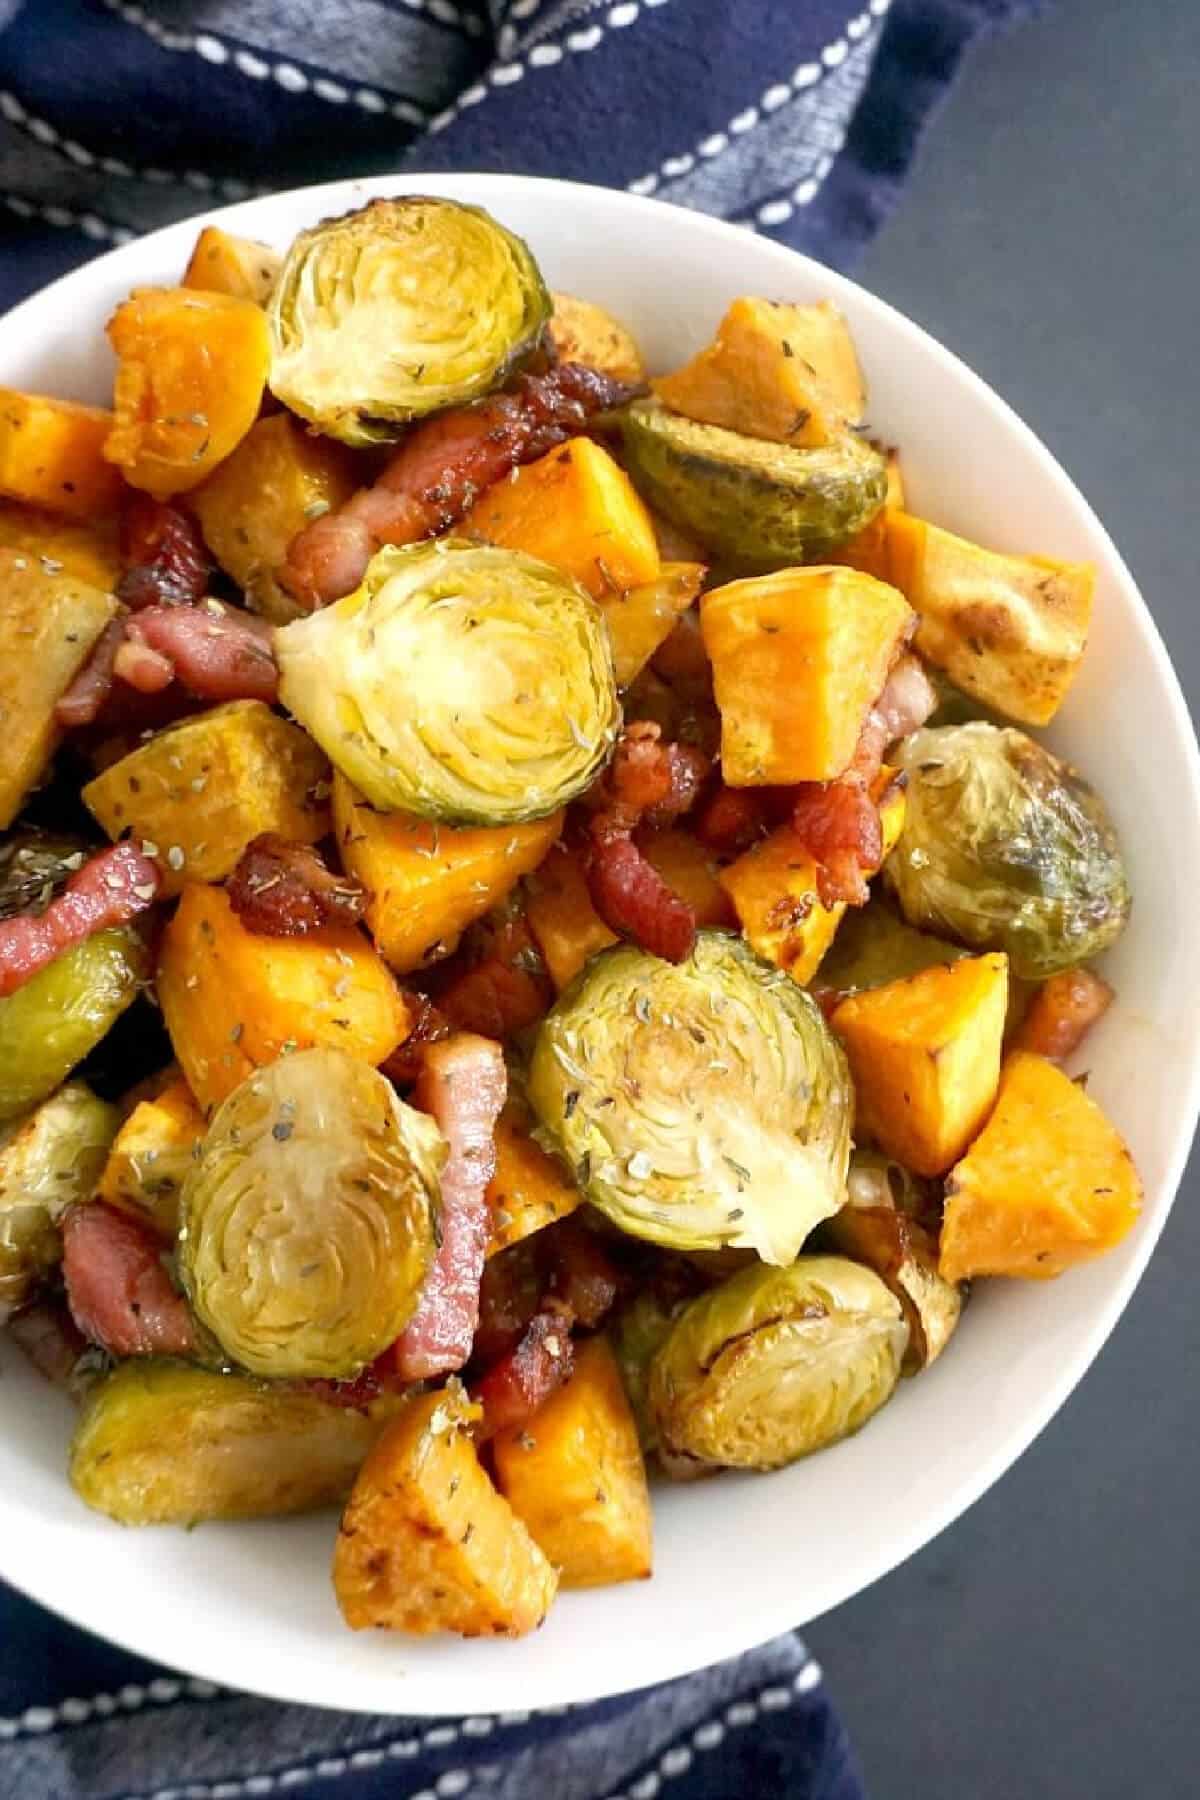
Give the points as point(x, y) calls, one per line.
point(35, 1721)
point(779, 210)
point(807, 75)
point(42, 132)
point(64, 219)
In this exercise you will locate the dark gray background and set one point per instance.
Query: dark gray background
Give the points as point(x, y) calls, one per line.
point(1046, 1644)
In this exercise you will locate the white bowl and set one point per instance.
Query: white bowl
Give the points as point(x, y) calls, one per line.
point(740, 1558)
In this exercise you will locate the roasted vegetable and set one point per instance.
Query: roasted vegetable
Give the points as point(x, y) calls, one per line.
point(233, 1001)
point(52, 455)
point(1048, 1182)
point(637, 1334)
point(427, 1544)
point(904, 1255)
point(202, 790)
point(426, 882)
point(151, 1156)
point(399, 309)
point(583, 332)
point(690, 871)
point(222, 263)
point(308, 1223)
point(191, 367)
point(874, 945)
point(47, 1161)
point(758, 503)
point(168, 1443)
point(460, 682)
point(34, 866)
point(561, 916)
point(86, 551)
point(277, 480)
point(798, 659)
point(576, 508)
point(49, 621)
point(62, 1012)
point(643, 618)
point(777, 1363)
point(788, 374)
point(529, 1189)
point(1006, 848)
point(700, 1104)
point(574, 1473)
point(924, 1054)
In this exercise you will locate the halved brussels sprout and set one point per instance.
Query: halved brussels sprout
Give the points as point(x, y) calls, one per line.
point(874, 945)
point(167, 1443)
point(777, 1363)
point(51, 1023)
point(1006, 848)
point(34, 865)
point(308, 1222)
point(459, 682)
point(755, 502)
point(398, 309)
point(700, 1103)
point(47, 1161)
point(637, 1334)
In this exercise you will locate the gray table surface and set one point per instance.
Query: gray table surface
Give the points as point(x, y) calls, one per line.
point(1045, 1644)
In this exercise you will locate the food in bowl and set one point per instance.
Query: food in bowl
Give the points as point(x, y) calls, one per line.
point(616, 1011)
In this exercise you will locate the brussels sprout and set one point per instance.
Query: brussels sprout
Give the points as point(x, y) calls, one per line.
point(776, 1363)
point(167, 1443)
point(874, 946)
point(46, 1161)
point(876, 1180)
point(398, 309)
point(460, 682)
point(637, 1334)
point(308, 1222)
point(51, 1023)
point(755, 502)
point(33, 867)
point(1006, 848)
point(699, 1104)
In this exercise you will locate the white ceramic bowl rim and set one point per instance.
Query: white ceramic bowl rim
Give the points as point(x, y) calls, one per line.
point(245, 1605)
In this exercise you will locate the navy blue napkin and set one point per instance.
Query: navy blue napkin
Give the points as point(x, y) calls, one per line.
point(798, 118)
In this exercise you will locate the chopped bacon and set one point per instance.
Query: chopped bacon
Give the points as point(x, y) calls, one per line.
point(648, 781)
point(462, 1085)
point(140, 667)
point(50, 1339)
point(511, 1391)
point(1062, 1012)
point(907, 699)
point(118, 1288)
point(166, 563)
point(112, 888)
point(218, 652)
point(583, 1278)
point(509, 1295)
point(83, 701)
point(282, 889)
point(732, 819)
point(428, 1027)
point(439, 469)
point(506, 989)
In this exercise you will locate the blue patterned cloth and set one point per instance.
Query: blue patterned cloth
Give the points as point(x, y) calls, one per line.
point(796, 117)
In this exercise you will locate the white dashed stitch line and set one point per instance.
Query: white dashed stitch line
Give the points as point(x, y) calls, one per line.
point(102, 232)
point(163, 1690)
point(678, 1759)
point(45, 133)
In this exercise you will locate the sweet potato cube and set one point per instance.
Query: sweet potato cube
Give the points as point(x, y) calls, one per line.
point(222, 263)
point(692, 871)
point(233, 1000)
point(88, 552)
point(924, 1054)
point(575, 1474)
point(798, 659)
point(427, 882)
point(529, 1189)
point(150, 1157)
point(48, 624)
point(427, 1544)
point(575, 507)
point(785, 373)
point(586, 333)
point(52, 455)
point(642, 618)
point(561, 916)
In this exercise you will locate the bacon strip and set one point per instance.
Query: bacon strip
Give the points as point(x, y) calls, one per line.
point(507, 990)
point(516, 1385)
point(118, 1289)
point(112, 888)
point(82, 703)
point(462, 1084)
point(166, 562)
point(218, 652)
point(437, 472)
point(732, 819)
point(583, 1279)
point(50, 1339)
point(429, 1026)
point(281, 889)
point(1062, 1012)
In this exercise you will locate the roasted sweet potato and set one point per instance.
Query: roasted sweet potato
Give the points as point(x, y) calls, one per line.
point(426, 882)
point(583, 332)
point(49, 621)
point(1048, 1182)
point(575, 1474)
point(798, 659)
point(222, 263)
point(692, 872)
point(52, 455)
point(150, 1157)
point(202, 789)
point(562, 918)
point(529, 1189)
point(427, 1544)
point(925, 1057)
point(233, 1001)
point(642, 618)
point(278, 479)
point(191, 369)
point(87, 551)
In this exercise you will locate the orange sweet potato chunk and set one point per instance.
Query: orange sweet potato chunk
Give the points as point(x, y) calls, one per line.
point(52, 455)
point(529, 1189)
point(562, 918)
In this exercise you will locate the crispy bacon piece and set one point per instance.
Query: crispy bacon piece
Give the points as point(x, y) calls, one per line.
point(218, 652)
point(509, 1295)
point(84, 699)
point(462, 1085)
point(731, 819)
point(140, 667)
point(1062, 1012)
point(112, 888)
point(583, 1278)
point(166, 563)
point(118, 1288)
point(439, 469)
point(282, 889)
point(429, 1026)
point(503, 992)
point(51, 1340)
point(516, 1385)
